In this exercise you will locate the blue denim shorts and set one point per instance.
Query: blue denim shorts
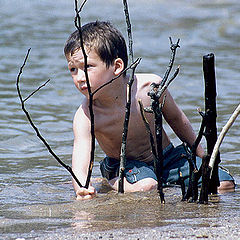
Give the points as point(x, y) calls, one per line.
point(175, 161)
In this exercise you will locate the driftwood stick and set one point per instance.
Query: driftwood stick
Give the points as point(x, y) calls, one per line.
point(203, 198)
point(125, 132)
point(68, 168)
point(192, 192)
point(221, 136)
point(77, 22)
point(194, 173)
point(182, 184)
point(157, 109)
point(211, 115)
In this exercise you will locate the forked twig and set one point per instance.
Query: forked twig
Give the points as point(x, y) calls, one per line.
point(155, 94)
point(68, 168)
point(133, 65)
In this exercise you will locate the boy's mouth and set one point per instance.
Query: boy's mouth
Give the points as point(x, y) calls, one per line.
point(83, 88)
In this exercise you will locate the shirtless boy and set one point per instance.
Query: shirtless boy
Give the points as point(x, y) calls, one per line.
point(107, 58)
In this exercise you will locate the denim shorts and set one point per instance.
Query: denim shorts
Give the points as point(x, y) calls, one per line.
point(175, 161)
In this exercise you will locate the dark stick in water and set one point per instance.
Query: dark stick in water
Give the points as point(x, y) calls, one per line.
point(155, 94)
point(211, 115)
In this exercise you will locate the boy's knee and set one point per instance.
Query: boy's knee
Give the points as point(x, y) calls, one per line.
point(226, 186)
point(145, 185)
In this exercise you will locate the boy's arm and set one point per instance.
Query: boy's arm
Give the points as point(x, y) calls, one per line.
point(81, 154)
point(179, 122)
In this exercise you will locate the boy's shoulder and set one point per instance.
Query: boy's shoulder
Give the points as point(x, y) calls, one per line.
point(145, 79)
point(82, 111)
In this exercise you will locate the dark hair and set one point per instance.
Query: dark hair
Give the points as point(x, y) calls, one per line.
point(106, 40)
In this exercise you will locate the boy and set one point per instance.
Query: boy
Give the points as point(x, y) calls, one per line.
point(107, 58)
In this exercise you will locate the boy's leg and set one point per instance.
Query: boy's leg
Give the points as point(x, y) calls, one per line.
point(176, 161)
point(144, 185)
point(139, 176)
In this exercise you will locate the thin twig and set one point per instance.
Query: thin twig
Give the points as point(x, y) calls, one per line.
point(173, 47)
point(69, 169)
point(129, 30)
point(128, 104)
point(147, 128)
point(43, 85)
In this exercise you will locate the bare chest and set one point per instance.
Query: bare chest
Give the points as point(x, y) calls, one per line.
point(109, 128)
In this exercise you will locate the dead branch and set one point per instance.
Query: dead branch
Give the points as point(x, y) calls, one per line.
point(155, 93)
point(211, 115)
point(194, 172)
point(146, 123)
point(68, 168)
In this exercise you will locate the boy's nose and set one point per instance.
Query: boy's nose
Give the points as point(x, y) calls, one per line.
point(81, 76)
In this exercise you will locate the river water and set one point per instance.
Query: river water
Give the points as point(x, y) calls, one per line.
point(36, 196)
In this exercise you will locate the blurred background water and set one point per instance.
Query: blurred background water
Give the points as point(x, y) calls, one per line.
point(36, 196)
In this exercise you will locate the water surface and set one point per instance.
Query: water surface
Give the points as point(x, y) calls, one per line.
point(36, 196)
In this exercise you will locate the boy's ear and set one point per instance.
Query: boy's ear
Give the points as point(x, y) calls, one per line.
point(118, 66)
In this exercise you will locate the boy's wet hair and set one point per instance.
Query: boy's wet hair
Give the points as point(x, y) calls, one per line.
point(105, 39)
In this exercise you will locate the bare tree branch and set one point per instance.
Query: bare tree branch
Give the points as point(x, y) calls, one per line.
point(43, 85)
point(68, 168)
point(155, 93)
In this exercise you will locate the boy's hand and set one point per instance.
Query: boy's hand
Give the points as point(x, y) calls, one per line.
point(86, 193)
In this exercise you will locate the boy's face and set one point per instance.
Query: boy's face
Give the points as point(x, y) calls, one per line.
point(98, 73)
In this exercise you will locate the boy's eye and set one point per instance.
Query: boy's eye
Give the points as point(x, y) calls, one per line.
point(72, 69)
